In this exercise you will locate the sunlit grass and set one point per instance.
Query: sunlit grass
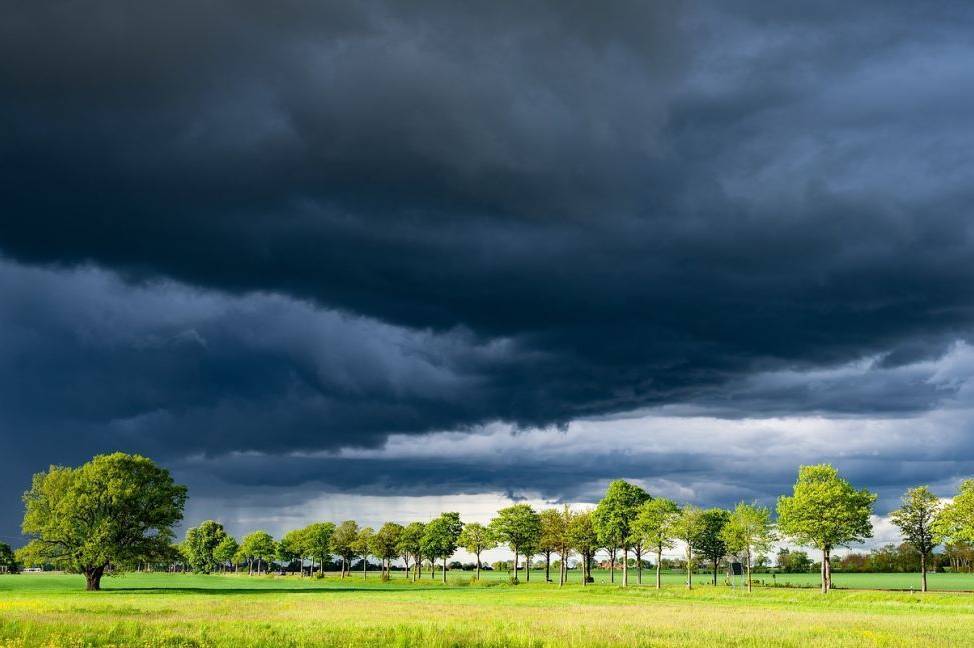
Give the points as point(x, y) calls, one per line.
point(187, 610)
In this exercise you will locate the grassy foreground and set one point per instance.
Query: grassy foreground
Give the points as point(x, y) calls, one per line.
point(187, 610)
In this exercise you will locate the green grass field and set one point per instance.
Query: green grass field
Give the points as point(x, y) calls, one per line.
point(188, 610)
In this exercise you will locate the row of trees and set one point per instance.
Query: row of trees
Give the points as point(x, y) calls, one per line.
point(117, 511)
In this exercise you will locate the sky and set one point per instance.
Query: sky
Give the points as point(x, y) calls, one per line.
point(376, 260)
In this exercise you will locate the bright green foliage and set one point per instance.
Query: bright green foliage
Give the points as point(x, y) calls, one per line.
point(956, 521)
point(583, 538)
point(292, 546)
point(825, 512)
point(710, 543)
point(519, 527)
point(259, 546)
point(688, 527)
point(476, 538)
point(226, 551)
point(343, 542)
point(916, 519)
point(748, 533)
point(440, 537)
point(411, 545)
point(199, 545)
point(363, 546)
point(116, 509)
point(317, 542)
point(385, 543)
point(654, 526)
point(614, 515)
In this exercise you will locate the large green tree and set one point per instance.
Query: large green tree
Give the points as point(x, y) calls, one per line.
point(226, 551)
point(291, 548)
point(710, 543)
point(749, 532)
point(517, 526)
point(916, 518)
point(613, 518)
point(825, 512)
point(440, 537)
point(476, 539)
point(317, 544)
point(385, 544)
point(583, 538)
point(343, 542)
point(257, 547)
point(654, 525)
point(199, 546)
point(117, 510)
point(411, 545)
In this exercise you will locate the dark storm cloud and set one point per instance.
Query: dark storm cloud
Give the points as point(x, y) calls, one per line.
point(402, 217)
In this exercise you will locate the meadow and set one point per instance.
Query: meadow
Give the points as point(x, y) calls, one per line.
point(237, 610)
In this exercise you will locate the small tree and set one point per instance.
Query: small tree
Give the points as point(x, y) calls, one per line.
point(317, 543)
point(749, 532)
point(8, 560)
point(292, 548)
point(517, 526)
point(476, 538)
point(562, 541)
point(343, 543)
point(440, 537)
point(710, 543)
point(258, 546)
point(688, 526)
point(411, 544)
point(363, 547)
point(200, 543)
point(385, 544)
point(825, 512)
point(655, 525)
point(117, 510)
point(613, 518)
point(583, 538)
point(916, 519)
point(551, 529)
point(226, 551)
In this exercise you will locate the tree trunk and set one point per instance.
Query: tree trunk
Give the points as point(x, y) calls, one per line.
point(689, 569)
point(826, 572)
point(93, 578)
point(625, 566)
point(923, 572)
point(515, 565)
point(639, 565)
point(659, 560)
point(478, 565)
point(527, 569)
point(612, 565)
point(716, 562)
point(365, 565)
point(747, 556)
point(547, 566)
point(444, 570)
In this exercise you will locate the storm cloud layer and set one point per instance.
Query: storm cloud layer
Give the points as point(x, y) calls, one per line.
point(236, 230)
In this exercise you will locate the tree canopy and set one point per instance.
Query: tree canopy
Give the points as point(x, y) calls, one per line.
point(200, 544)
point(518, 526)
point(825, 512)
point(117, 509)
point(440, 537)
point(476, 538)
point(916, 518)
point(614, 515)
point(748, 532)
point(654, 526)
